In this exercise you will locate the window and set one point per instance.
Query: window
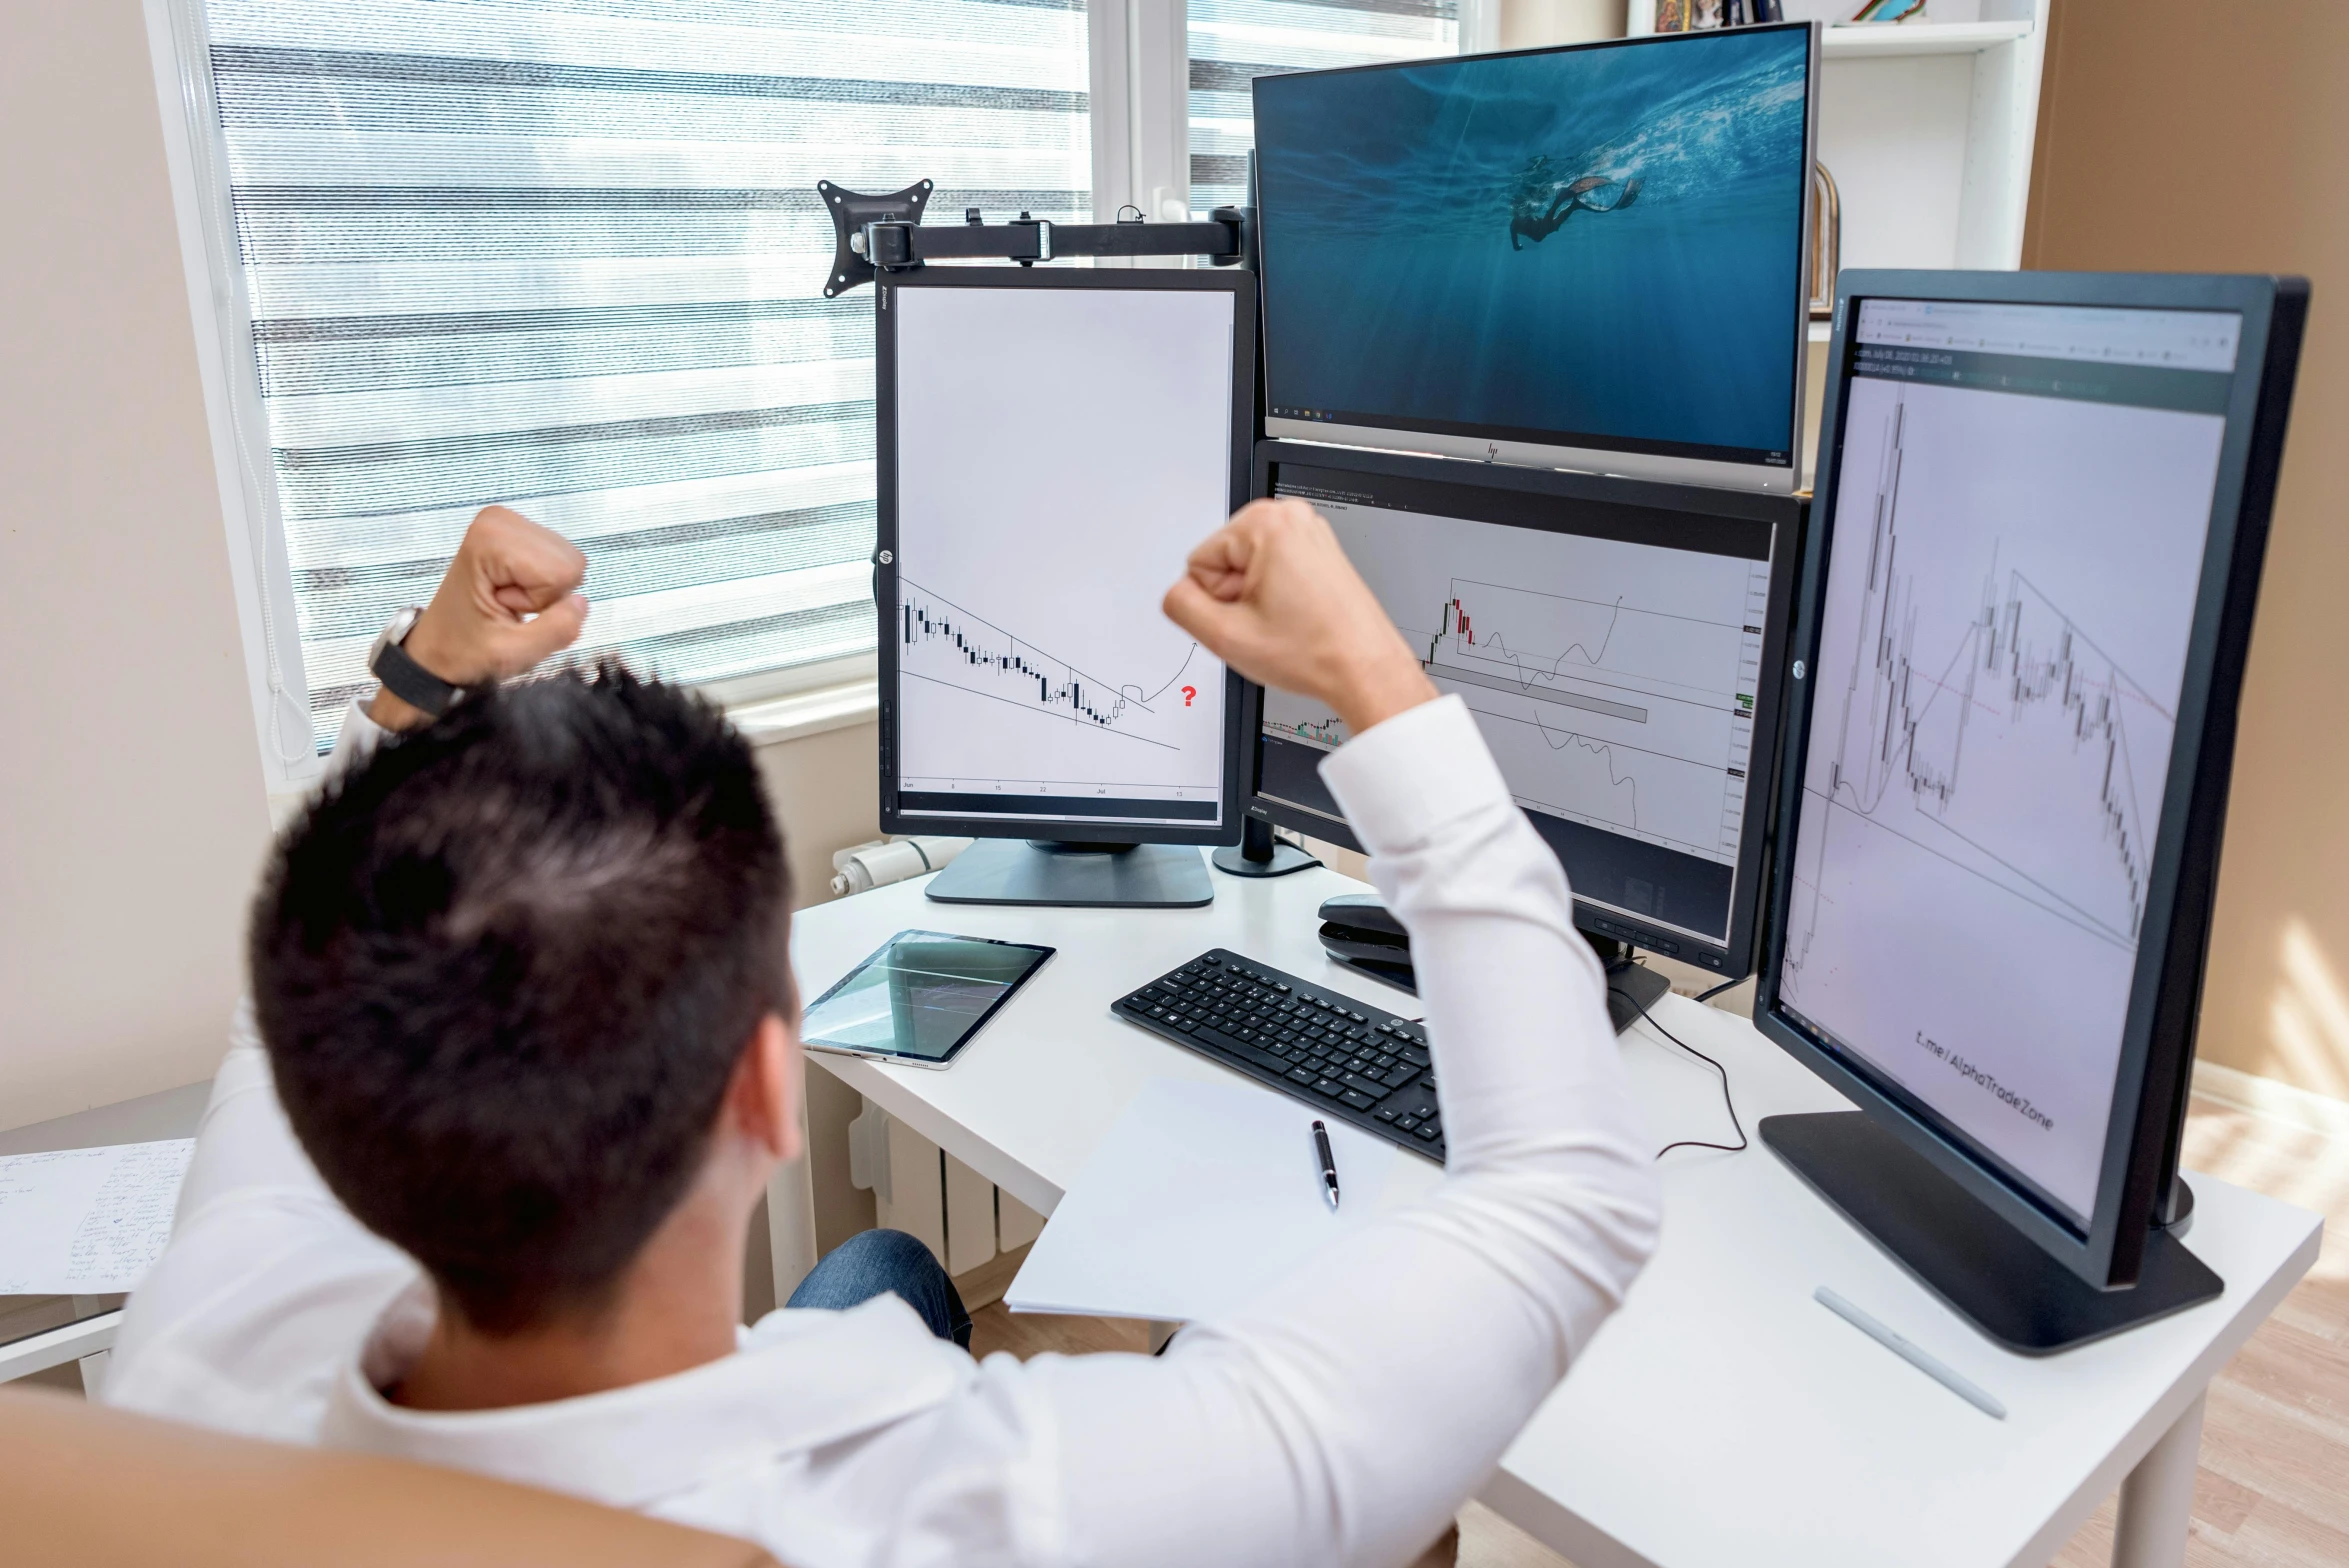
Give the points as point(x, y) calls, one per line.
point(568, 256)
point(1232, 42)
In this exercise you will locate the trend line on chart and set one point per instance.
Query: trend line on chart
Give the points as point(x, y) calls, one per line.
point(1503, 637)
point(1911, 721)
point(926, 619)
point(1456, 622)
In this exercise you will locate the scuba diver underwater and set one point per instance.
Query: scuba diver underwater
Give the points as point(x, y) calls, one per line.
point(1529, 221)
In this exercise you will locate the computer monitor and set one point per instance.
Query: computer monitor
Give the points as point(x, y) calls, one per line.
point(1593, 257)
point(1051, 446)
point(2022, 628)
point(1620, 643)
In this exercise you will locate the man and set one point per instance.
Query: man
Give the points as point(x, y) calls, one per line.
point(519, 976)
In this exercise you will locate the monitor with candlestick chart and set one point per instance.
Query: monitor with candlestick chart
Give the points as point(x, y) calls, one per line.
point(1617, 641)
point(2002, 644)
point(1053, 447)
point(2025, 612)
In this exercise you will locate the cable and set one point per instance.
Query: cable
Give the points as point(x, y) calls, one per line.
point(1743, 1142)
point(1647, 1016)
point(1726, 985)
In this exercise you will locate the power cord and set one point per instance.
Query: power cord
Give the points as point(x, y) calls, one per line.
point(1742, 1142)
point(1647, 1016)
point(1726, 985)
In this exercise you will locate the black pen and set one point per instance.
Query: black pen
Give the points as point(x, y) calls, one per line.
point(1329, 1164)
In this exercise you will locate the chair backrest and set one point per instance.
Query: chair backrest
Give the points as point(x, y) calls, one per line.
point(95, 1488)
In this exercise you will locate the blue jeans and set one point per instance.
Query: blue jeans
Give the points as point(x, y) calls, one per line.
point(874, 1261)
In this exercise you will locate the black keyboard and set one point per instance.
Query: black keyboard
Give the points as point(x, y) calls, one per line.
point(1351, 1062)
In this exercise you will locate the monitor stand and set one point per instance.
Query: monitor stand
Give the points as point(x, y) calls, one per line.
point(1990, 1273)
point(1632, 987)
point(1075, 876)
point(1259, 854)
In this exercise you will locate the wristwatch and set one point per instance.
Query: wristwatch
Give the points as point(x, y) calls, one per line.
point(401, 675)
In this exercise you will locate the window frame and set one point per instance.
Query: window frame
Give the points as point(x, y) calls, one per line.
point(1139, 82)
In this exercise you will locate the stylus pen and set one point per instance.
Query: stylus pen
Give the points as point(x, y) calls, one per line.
point(1329, 1163)
point(1948, 1377)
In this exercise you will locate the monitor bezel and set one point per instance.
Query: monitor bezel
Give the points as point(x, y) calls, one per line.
point(1236, 282)
point(2157, 1044)
point(1731, 958)
point(1630, 459)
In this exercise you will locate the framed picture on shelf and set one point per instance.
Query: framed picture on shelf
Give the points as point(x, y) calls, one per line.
point(1704, 16)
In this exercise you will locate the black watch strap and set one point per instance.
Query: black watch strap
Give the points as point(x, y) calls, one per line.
point(412, 683)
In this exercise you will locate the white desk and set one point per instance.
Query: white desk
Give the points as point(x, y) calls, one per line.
point(1723, 1419)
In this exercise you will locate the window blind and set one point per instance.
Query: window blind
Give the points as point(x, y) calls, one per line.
point(567, 256)
point(1232, 42)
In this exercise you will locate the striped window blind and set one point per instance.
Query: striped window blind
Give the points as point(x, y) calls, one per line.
point(1232, 42)
point(567, 256)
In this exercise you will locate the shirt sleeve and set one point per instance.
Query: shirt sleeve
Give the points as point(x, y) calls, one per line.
point(268, 1280)
point(243, 1141)
point(1345, 1416)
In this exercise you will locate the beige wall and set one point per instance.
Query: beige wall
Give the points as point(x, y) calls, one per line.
point(826, 791)
point(131, 811)
point(1529, 24)
point(2179, 135)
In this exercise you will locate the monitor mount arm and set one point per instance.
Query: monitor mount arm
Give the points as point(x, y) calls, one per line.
point(885, 234)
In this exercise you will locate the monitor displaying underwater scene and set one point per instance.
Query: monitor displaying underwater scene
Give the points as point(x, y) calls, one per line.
point(1592, 247)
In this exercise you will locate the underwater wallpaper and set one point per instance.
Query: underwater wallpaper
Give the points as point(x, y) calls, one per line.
point(1602, 244)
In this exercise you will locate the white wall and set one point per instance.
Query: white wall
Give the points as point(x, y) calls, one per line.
point(131, 811)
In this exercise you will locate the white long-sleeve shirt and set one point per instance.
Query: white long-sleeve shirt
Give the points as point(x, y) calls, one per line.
point(1340, 1419)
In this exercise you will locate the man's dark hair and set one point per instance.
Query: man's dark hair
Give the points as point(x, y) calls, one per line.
point(505, 969)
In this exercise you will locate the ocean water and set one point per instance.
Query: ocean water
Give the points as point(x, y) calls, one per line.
point(1661, 310)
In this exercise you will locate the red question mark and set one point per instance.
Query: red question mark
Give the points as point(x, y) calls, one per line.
point(1188, 693)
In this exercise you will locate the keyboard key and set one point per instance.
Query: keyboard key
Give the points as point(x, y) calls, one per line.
point(1370, 1087)
point(1244, 1051)
point(1397, 1077)
point(1357, 1099)
point(1387, 1113)
point(1407, 1123)
point(1329, 1086)
point(1427, 1130)
point(1302, 1076)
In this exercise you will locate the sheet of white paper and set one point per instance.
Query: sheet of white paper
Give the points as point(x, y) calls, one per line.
point(87, 1222)
point(1201, 1196)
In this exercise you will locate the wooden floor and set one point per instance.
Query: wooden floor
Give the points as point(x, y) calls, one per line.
point(2274, 1485)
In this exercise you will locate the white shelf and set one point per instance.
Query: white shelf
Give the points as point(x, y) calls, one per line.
point(1886, 40)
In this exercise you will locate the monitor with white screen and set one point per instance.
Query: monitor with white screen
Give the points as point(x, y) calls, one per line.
point(2026, 603)
point(1052, 446)
point(1619, 643)
point(1593, 257)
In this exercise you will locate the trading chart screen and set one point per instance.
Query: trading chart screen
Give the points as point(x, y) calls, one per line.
point(2020, 516)
point(1612, 662)
point(1059, 452)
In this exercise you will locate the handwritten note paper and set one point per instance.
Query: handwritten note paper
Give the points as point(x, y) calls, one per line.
point(87, 1222)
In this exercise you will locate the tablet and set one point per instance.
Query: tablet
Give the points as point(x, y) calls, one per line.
point(921, 998)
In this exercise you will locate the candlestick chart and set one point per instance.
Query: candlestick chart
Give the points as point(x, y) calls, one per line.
point(942, 643)
point(1619, 692)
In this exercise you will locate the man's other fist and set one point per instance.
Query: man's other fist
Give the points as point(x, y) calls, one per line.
point(508, 600)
